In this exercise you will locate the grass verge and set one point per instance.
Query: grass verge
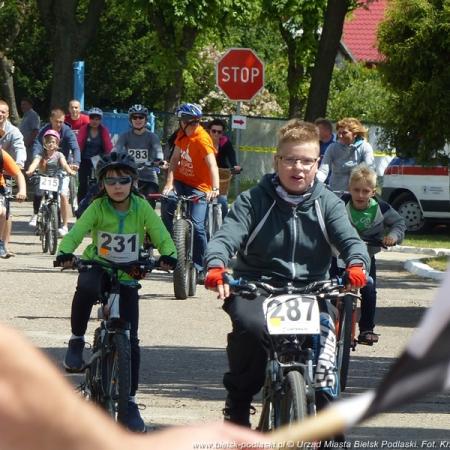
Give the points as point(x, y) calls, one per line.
point(427, 240)
point(437, 263)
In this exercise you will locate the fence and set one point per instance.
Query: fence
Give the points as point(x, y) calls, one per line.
point(257, 142)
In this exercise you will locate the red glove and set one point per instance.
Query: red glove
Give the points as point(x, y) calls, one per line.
point(214, 277)
point(356, 276)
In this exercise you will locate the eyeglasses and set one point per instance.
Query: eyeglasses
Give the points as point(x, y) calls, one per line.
point(110, 181)
point(137, 117)
point(306, 164)
point(95, 118)
point(216, 131)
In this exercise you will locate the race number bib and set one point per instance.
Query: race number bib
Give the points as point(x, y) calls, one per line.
point(118, 248)
point(292, 314)
point(48, 183)
point(139, 154)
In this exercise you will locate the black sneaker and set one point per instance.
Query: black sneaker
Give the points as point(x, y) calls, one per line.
point(134, 420)
point(238, 412)
point(73, 361)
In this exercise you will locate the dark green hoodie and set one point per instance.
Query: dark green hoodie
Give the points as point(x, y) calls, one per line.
point(281, 241)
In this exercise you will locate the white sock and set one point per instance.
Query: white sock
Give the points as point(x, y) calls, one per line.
point(76, 337)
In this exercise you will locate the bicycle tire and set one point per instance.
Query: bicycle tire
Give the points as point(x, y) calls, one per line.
point(217, 218)
point(344, 341)
point(192, 288)
point(45, 215)
point(52, 229)
point(181, 238)
point(293, 404)
point(73, 192)
point(116, 377)
point(92, 374)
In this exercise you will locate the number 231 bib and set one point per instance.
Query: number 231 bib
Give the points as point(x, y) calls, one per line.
point(118, 248)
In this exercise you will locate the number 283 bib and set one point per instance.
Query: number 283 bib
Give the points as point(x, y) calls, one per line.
point(118, 248)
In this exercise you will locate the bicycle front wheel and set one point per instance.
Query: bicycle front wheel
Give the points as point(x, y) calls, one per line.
point(116, 377)
point(293, 401)
point(43, 228)
point(217, 218)
point(181, 273)
point(52, 229)
point(344, 341)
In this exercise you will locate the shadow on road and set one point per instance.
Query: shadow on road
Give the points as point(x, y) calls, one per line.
point(402, 316)
point(184, 372)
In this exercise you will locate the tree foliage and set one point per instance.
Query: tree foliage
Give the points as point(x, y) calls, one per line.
point(415, 39)
point(357, 91)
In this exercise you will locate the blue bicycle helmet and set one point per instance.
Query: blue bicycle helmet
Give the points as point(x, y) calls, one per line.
point(137, 109)
point(95, 112)
point(189, 111)
point(116, 160)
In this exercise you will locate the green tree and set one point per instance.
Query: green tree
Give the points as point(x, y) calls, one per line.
point(358, 91)
point(13, 16)
point(178, 24)
point(299, 23)
point(415, 39)
point(71, 28)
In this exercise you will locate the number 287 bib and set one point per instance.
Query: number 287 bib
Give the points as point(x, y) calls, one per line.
point(118, 248)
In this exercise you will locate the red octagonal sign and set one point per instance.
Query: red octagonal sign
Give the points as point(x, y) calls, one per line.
point(240, 74)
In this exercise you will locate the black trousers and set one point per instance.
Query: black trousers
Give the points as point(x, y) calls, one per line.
point(90, 285)
point(84, 172)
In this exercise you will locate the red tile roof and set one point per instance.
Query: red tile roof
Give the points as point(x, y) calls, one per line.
point(360, 31)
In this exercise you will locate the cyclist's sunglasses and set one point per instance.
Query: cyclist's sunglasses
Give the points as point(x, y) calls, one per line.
point(137, 117)
point(117, 180)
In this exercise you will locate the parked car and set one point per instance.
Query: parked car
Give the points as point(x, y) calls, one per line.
point(420, 193)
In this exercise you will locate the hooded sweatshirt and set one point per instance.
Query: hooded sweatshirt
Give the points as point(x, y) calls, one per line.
point(283, 242)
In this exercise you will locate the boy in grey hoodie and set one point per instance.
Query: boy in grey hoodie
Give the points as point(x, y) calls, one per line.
point(283, 230)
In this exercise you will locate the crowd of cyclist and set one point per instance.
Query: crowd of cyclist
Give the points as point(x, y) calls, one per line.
point(275, 230)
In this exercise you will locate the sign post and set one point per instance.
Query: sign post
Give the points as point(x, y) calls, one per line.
point(240, 75)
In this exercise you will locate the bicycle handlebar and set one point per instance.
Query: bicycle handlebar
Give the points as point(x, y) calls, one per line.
point(148, 264)
point(332, 287)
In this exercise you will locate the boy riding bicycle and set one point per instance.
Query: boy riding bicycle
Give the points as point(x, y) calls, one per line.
point(376, 222)
point(117, 215)
point(281, 231)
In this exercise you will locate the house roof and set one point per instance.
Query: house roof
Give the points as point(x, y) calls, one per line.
point(359, 36)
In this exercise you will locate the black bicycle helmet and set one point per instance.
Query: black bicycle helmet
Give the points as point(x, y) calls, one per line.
point(189, 111)
point(137, 109)
point(115, 160)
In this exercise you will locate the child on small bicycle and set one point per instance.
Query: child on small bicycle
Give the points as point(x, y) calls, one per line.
point(122, 216)
point(376, 222)
point(50, 163)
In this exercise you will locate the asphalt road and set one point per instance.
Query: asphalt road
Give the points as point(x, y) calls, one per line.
point(183, 341)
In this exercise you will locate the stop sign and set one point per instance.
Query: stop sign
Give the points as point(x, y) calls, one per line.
point(240, 74)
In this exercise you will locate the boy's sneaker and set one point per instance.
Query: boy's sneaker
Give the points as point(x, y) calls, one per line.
point(73, 361)
point(238, 411)
point(62, 231)
point(134, 420)
point(3, 252)
point(33, 220)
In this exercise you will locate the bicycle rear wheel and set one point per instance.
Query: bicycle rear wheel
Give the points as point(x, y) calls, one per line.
point(116, 377)
point(294, 400)
point(344, 340)
point(52, 229)
point(43, 229)
point(181, 273)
